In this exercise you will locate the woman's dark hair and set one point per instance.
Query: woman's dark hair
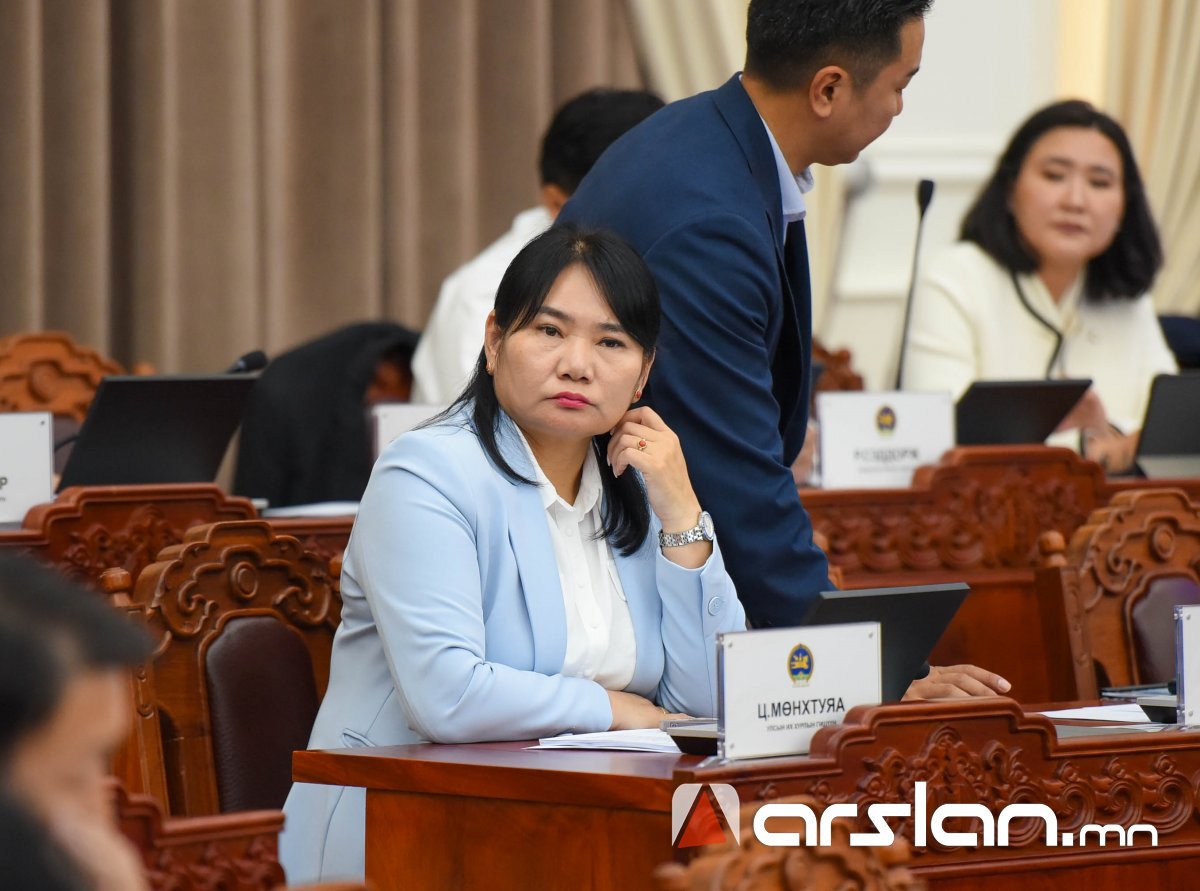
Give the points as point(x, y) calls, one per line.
point(1128, 266)
point(626, 284)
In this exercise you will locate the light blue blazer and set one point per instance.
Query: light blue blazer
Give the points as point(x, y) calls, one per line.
point(454, 630)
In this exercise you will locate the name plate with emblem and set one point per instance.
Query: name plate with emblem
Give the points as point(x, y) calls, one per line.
point(877, 440)
point(26, 463)
point(779, 686)
point(1187, 657)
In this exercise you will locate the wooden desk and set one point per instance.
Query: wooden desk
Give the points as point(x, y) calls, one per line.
point(499, 816)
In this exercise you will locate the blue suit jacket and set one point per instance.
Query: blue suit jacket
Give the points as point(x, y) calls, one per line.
point(453, 627)
point(695, 189)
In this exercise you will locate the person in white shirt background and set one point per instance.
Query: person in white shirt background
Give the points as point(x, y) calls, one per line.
point(1050, 279)
point(580, 131)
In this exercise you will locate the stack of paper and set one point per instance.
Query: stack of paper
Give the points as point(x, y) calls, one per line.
point(622, 740)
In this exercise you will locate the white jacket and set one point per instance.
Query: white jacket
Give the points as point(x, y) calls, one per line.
point(968, 324)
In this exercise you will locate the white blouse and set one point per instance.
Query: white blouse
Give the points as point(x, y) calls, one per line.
point(968, 324)
point(600, 642)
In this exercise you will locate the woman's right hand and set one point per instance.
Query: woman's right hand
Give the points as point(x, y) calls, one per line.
point(633, 712)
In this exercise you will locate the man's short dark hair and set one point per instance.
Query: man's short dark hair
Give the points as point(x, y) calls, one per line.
point(584, 127)
point(1127, 267)
point(788, 41)
point(51, 629)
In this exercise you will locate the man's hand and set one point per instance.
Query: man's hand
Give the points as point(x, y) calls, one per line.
point(957, 681)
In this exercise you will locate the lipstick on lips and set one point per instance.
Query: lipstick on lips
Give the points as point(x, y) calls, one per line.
point(571, 400)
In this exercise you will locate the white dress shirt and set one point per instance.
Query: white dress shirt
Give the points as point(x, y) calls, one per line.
point(600, 641)
point(449, 346)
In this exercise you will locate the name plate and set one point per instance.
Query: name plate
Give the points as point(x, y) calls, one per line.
point(390, 419)
point(1187, 658)
point(779, 686)
point(26, 463)
point(877, 440)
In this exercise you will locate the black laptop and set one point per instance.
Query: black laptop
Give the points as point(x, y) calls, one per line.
point(1015, 412)
point(912, 619)
point(1169, 446)
point(157, 429)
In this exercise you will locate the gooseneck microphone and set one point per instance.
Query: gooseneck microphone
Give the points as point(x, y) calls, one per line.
point(255, 360)
point(924, 198)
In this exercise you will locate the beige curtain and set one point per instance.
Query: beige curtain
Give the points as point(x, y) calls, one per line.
point(1154, 89)
point(185, 180)
point(687, 46)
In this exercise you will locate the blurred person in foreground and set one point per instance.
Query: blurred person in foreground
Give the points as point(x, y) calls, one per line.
point(582, 128)
point(65, 707)
point(1050, 279)
point(534, 561)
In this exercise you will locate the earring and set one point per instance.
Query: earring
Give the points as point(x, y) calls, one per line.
point(637, 394)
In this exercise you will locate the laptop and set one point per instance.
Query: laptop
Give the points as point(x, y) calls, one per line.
point(157, 429)
point(1015, 412)
point(912, 619)
point(1169, 446)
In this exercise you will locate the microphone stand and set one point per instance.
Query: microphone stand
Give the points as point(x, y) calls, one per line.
point(924, 197)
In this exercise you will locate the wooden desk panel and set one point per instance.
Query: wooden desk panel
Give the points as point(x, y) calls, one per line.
point(496, 814)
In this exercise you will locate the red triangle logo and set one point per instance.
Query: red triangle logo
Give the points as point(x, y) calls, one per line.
point(702, 826)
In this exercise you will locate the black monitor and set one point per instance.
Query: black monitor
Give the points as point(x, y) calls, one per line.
point(157, 429)
point(1169, 445)
point(911, 619)
point(1015, 412)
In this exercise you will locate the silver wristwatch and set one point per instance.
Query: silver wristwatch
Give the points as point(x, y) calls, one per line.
point(702, 531)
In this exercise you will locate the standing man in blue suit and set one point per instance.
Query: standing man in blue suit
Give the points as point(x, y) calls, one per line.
point(710, 190)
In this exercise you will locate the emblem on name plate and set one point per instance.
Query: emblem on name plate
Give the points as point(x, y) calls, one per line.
point(800, 665)
point(885, 420)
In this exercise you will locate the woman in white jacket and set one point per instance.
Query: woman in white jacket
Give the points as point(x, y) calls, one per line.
point(1050, 279)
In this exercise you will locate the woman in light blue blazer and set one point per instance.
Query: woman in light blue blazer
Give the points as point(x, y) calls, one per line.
point(532, 562)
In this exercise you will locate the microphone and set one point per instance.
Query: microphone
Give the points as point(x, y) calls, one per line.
point(924, 197)
point(255, 360)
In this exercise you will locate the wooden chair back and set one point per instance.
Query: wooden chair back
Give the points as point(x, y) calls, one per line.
point(1118, 582)
point(48, 371)
point(245, 621)
point(89, 529)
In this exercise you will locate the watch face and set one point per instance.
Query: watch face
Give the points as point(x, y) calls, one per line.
point(706, 526)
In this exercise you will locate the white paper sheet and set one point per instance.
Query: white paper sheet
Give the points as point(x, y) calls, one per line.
point(649, 740)
point(1126, 713)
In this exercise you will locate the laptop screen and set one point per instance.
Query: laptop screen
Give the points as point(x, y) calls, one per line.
point(912, 620)
point(157, 429)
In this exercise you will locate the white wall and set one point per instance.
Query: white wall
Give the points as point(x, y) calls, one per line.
point(987, 64)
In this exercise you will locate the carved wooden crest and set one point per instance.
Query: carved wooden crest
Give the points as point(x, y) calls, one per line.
point(48, 371)
point(980, 507)
point(989, 752)
point(753, 866)
point(231, 852)
point(89, 529)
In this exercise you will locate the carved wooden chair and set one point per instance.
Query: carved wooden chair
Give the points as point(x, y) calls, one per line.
point(1117, 584)
point(48, 371)
point(753, 866)
point(245, 621)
